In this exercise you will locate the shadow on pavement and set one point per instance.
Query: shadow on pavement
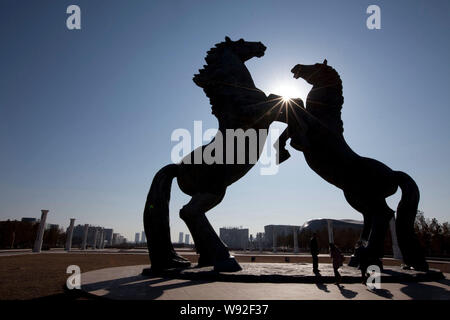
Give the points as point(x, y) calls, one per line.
point(322, 287)
point(384, 293)
point(422, 291)
point(346, 293)
point(135, 287)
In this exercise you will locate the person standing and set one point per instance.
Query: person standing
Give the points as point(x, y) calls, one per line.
point(315, 252)
point(338, 260)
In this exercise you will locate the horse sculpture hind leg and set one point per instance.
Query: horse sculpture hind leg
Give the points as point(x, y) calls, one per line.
point(377, 215)
point(211, 249)
point(358, 203)
point(381, 216)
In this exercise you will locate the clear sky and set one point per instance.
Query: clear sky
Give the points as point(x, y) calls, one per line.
point(86, 115)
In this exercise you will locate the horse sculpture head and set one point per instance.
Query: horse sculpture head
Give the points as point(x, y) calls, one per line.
point(315, 74)
point(325, 99)
point(245, 50)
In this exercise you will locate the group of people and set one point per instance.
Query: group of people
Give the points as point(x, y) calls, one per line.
point(336, 256)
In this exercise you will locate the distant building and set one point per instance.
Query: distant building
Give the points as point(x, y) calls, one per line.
point(234, 238)
point(108, 236)
point(136, 237)
point(78, 234)
point(35, 220)
point(51, 226)
point(319, 224)
point(260, 240)
point(280, 231)
point(115, 238)
point(259, 235)
point(186, 239)
point(143, 238)
point(345, 233)
point(180, 238)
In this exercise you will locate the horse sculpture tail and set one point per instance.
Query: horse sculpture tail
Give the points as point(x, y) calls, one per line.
point(406, 212)
point(156, 221)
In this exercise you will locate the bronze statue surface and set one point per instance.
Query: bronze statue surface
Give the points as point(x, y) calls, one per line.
point(237, 104)
point(317, 131)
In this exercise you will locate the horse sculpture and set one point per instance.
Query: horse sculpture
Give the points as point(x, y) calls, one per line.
point(317, 131)
point(236, 103)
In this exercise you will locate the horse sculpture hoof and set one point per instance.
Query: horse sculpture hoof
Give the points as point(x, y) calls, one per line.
point(174, 263)
point(283, 155)
point(147, 272)
point(204, 262)
point(228, 265)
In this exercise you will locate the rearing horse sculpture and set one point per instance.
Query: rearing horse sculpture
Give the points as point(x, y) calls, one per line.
point(237, 104)
point(317, 131)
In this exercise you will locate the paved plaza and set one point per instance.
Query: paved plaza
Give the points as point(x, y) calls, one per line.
point(116, 274)
point(127, 283)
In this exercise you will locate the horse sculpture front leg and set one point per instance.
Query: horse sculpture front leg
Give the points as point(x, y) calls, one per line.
point(296, 117)
point(280, 147)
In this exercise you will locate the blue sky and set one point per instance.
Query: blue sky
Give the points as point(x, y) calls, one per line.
point(86, 116)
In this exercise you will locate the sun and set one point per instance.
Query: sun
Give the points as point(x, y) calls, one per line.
point(288, 91)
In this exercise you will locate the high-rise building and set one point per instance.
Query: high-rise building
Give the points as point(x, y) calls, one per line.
point(180, 238)
point(186, 239)
point(136, 237)
point(143, 238)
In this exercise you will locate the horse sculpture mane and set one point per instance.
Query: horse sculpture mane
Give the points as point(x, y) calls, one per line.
point(225, 79)
point(210, 75)
point(212, 57)
point(202, 79)
point(326, 83)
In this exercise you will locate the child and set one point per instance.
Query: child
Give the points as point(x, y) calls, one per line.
point(338, 259)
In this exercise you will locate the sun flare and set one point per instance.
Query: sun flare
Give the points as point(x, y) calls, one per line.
point(290, 91)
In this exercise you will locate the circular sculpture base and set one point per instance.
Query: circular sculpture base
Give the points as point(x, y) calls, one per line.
point(130, 283)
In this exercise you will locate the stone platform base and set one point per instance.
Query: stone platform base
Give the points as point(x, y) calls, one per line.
point(129, 283)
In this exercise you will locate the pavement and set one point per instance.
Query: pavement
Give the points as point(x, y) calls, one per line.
point(127, 283)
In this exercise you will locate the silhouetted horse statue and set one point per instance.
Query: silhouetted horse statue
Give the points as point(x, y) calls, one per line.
point(317, 131)
point(237, 104)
